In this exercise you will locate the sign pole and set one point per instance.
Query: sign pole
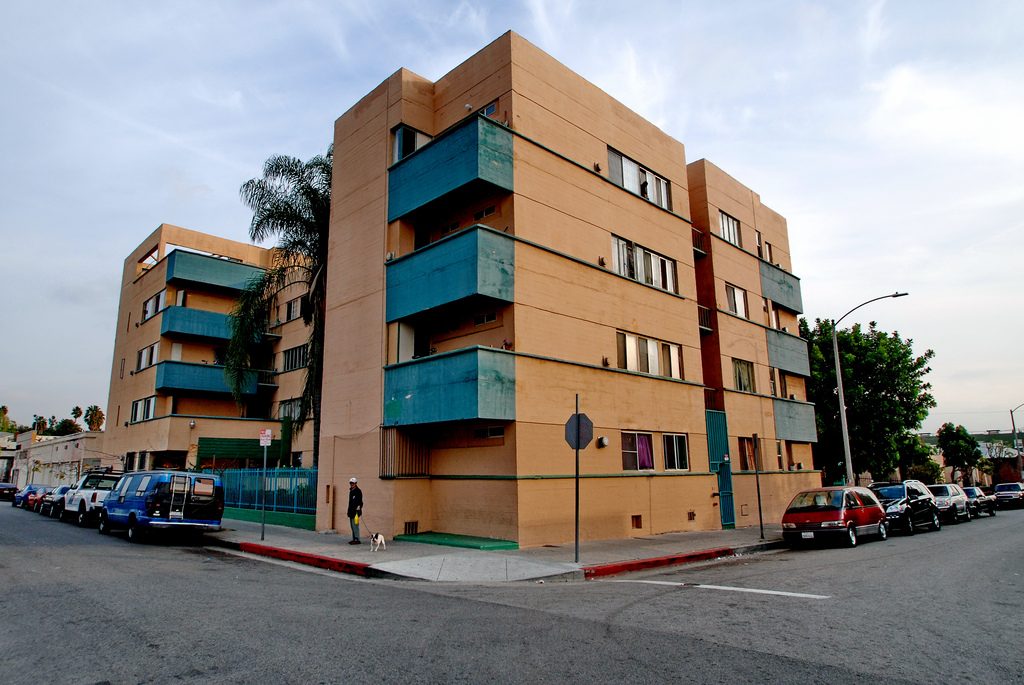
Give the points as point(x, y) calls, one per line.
point(757, 480)
point(265, 437)
point(577, 558)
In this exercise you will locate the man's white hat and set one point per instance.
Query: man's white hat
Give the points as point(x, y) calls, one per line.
point(352, 480)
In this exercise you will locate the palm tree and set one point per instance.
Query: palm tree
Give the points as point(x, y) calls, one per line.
point(292, 202)
point(94, 417)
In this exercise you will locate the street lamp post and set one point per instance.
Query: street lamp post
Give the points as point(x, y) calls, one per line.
point(1013, 428)
point(839, 384)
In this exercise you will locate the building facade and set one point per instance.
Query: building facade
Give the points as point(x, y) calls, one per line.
point(59, 460)
point(170, 404)
point(510, 237)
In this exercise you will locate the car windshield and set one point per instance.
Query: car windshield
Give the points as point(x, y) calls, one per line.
point(1008, 487)
point(940, 490)
point(818, 500)
point(890, 492)
point(972, 492)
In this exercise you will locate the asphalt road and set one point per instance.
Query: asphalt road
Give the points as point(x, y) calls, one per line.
point(941, 607)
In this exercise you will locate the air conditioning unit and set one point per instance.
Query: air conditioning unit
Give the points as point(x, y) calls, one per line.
point(389, 256)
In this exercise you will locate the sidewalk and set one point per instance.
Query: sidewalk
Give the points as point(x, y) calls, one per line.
point(419, 561)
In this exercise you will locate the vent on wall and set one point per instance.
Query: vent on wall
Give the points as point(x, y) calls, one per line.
point(638, 521)
point(412, 527)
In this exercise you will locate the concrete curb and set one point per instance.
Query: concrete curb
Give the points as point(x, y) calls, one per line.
point(330, 563)
point(617, 567)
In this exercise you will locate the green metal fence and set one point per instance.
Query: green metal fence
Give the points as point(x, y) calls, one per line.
point(285, 489)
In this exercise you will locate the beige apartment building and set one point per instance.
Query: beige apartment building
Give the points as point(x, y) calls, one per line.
point(170, 404)
point(510, 237)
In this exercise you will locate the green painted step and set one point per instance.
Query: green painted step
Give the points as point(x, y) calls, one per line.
point(467, 541)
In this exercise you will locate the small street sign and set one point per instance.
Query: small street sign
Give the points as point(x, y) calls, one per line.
point(265, 436)
point(586, 431)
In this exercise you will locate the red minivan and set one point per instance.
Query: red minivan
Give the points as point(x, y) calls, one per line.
point(836, 513)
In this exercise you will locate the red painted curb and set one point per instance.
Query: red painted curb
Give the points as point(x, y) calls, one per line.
point(329, 563)
point(617, 567)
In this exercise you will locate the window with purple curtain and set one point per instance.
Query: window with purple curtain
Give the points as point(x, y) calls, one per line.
point(644, 451)
point(637, 451)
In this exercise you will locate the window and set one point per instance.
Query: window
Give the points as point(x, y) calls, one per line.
point(489, 433)
point(783, 386)
point(768, 253)
point(743, 375)
point(486, 317)
point(730, 228)
point(203, 487)
point(624, 172)
point(180, 298)
point(140, 489)
point(645, 355)
point(640, 264)
point(677, 457)
point(144, 409)
point(293, 309)
point(295, 358)
point(406, 141)
point(490, 109)
point(153, 305)
point(771, 382)
point(760, 247)
point(736, 299)
point(483, 213)
point(637, 451)
point(147, 356)
point(746, 454)
point(289, 409)
point(778, 454)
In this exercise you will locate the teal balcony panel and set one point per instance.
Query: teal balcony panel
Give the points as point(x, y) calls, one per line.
point(477, 150)
point(198, 378)
point(474, 383)
point(476, 261)
point(183, 321)
point(794, 421)
point(788, 352)
point(189, 267)
point(781, 287)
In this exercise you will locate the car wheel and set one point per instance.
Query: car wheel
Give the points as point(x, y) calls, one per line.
point(968, 514)
point(82, 518)
point(54, 512)
point(851, 536)
point(883, 531)
point(910, 524)
point(992, 510)
point(104, 525)
point(936, 523)
point(134, 532)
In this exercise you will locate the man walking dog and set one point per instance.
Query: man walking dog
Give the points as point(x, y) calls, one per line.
point(355, 509)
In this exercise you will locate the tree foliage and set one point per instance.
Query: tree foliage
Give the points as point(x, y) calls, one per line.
point(917, 456)
point(94, 417)
point(959, 450)
point(291, 203)
point(885, 391)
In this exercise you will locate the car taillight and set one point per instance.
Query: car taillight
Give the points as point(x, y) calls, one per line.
point(94, 498)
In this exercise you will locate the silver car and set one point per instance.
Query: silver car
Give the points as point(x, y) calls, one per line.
point(952, 502)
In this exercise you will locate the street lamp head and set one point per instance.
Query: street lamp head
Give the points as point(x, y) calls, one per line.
point(898, 294)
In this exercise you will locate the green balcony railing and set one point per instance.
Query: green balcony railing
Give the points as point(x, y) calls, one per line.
point(477, 261)
point(199, 378)
point(472, 383)
point(196, 323)
point(476, 151)
point(189, 267)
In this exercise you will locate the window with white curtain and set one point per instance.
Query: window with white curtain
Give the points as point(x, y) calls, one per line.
point(730, 228)
point(647, 355)
point(624, 172)
point(736, 300)
point(640, 264)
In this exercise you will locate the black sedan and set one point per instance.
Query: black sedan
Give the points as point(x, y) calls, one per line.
point(7, 491)
point(980, 502)
point(52, 503)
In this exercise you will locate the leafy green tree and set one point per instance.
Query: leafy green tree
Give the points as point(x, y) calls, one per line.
point(928, 472)
point(959, 450)
point(63, 427)
point(94, 417)
point(886, 395)
point(76, 412)
point(7, 425)
point(914, 452)
point(38, 423)
point(292, 203)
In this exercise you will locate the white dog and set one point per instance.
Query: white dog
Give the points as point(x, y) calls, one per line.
point(377, 542)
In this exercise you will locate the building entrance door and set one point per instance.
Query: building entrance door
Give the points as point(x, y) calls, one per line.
point(725, 499)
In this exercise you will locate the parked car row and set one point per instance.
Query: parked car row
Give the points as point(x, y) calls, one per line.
point(847, 513)
point(136, 502)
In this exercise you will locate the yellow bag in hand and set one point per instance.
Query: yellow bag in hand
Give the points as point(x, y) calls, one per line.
point(355, 519)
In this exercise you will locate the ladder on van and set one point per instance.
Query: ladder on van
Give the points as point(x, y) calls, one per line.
point(179, 496)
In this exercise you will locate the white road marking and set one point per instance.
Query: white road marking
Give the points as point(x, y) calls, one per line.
point(729, 588)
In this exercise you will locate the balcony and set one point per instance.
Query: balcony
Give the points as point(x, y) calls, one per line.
point(194, 323)
point(704, 319)
point(794, 420)
point(700, 242)
point(473, 383)
point(474, 262)
point(203, 270)
point(476, 152)
point(781, 287)
point(788, 352)
point(198, 378)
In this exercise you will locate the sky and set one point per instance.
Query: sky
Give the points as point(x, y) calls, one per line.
point(887, 133)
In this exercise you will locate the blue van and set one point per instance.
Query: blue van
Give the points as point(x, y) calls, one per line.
point(146, 500)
